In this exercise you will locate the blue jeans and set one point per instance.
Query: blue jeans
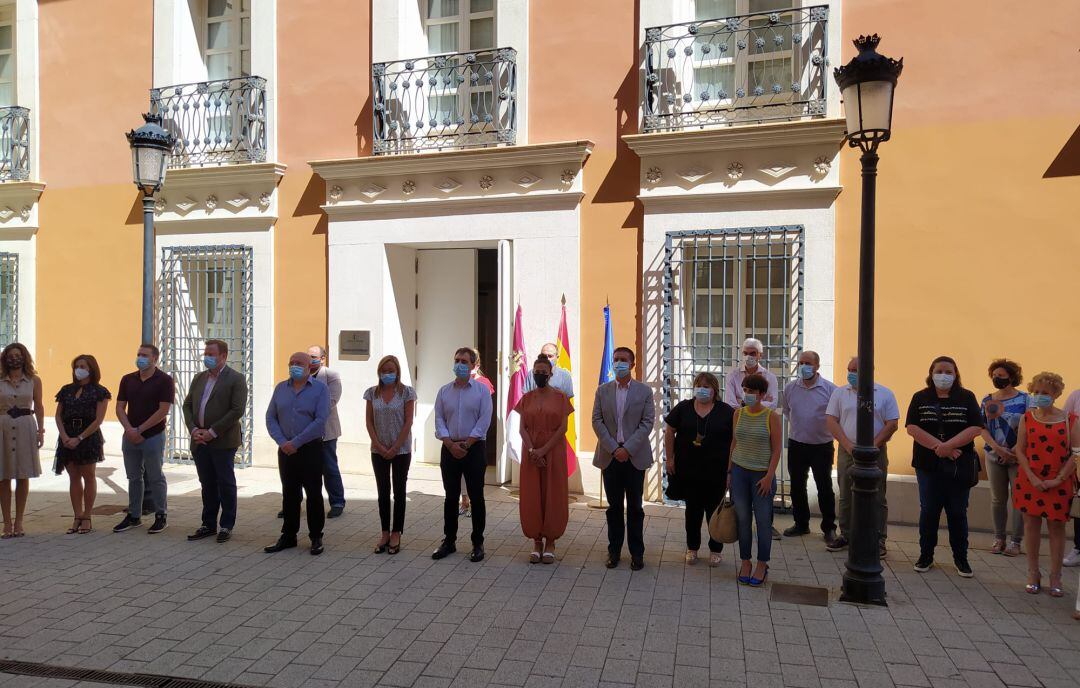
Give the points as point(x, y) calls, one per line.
point(938, 490)
point(335, 490)
point(751, 507)
point(146, 457)
point(217, 475)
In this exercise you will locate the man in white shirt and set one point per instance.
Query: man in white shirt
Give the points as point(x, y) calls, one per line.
point(840, 418)
point(560, 377)
point(752, 350)
point(1072, 410)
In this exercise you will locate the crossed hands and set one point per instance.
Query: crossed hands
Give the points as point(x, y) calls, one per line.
point(947, 452)
point(200, 436)
point(134, 436)
point(537, 458)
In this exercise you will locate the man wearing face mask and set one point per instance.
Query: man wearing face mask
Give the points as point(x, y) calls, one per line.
point(810, 446)
point(335, 490)
point(296, 419)
point(462, 418)
point(623, 418)
point(560, 377)
point(142, 407)
point(840, 418)
point(213, 408)
point(752, 351)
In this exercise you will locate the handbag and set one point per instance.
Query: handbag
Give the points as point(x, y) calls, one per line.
point(973, 461)
point(723, 526)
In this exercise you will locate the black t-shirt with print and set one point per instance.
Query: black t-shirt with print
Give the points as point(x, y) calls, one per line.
point(944, 419)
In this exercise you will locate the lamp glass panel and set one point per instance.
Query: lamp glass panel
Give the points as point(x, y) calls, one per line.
point(868, 106)
point(149, 166)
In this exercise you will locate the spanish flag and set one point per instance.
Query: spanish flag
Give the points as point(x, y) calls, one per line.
point(563, 361)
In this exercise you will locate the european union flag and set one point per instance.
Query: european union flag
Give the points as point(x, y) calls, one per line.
point(607, 369)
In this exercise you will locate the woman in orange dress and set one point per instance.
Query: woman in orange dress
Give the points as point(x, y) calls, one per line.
point(1044, 484)
point(544, 506)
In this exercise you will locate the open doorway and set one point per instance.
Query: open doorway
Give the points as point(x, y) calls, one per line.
point(487, 334)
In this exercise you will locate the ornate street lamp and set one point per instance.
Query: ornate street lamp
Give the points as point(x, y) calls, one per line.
point(866, 84)
point(150, 149)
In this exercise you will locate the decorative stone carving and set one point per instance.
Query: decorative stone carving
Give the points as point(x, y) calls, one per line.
point(335, 193)
point(371, 189)
point(160, 203)
point(211, 202)
point(526, 179)
point(735, 171)
point(6, 213)
point(408, 186)
point(653, 175)
point(694, 173)
point(264, 199)
point(778, 170)
point(822, 165)
point(448, 185)
point(487, 181)
point(239, 201)
point(568, 176)
point(24, 213)
point(187, 204)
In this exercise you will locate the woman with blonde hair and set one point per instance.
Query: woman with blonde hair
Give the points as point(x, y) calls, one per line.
point(1046, 452)
point(22, 432)
point(390, 406)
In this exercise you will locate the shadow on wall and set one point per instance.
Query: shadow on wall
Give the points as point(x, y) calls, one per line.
point(1067, 162)
point(311, 201)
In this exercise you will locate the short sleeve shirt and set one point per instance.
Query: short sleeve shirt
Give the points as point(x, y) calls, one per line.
point(144, 396)
point(708, 460)
point(944, 419)
point(1003, 417)
point(389, 416)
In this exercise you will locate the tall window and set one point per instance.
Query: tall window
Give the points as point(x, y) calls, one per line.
point(227, 39)
point(9, 298)
point(459, 25)
point(7, 56)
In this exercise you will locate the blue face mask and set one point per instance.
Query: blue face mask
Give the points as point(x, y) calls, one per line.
point(703, 393)
point(142, 362)
point(297, 372)
point(806, 371)
point(750, 398)
point(1042, 401)
point(461, 370)
point(388, 378)
point(852, 378)
point(622, 368)
point(210, 362)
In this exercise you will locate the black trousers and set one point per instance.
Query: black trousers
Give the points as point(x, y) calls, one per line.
point(1076, 533)
point(624, 483)
point(301, 474)
point(472, 466)
point(394, 472)
point(700, 505)
point(818, 458)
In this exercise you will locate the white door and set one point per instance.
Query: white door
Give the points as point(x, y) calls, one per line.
point(445, 320)
point(506, 346)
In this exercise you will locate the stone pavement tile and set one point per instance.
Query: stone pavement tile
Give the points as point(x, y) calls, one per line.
point(511, 672)
point(594, 657)
point(379, 659)
point(291, 676)
point(1014, 674)
point(360, 646)
point(653, 681)
point(543, 682)
point(654, 662)
point(908, 675)
point(795, 654)
point(867, 661)
point(472, 678)
point(619, 671)
point(445, 664)
point(691, 677)
point(485, 658)
point(420, 651)
point(692, 655)
point(949, 683)
point(761, 661)
point(402, 674)
point(524, 650)
point(826, 647)
point(730, 669)
point(551, 664)
point(759, 641)
point(800, 677)
point(834, 668)
point(317, 653)
point(982, 679)
point(319, 683)
point(873, 679)
point(997, 652)
point(431, 682)
point(625, 648)
point(581, 677)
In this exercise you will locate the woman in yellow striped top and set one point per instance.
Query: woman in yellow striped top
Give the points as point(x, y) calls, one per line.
point(755, 454)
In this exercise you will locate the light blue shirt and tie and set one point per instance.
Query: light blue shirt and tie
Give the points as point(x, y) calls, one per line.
point(462, 411)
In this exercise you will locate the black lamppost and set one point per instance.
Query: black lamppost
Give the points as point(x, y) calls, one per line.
point(866, 85)
point(150, 148)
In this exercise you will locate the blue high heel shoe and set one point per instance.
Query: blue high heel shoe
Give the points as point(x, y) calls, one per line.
point(758, 582)
point(744, 580)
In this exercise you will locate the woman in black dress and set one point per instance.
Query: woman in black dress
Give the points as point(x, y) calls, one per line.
point(80, 409)
point(697, 441)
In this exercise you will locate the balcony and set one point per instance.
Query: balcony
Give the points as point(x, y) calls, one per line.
point(215, 122)
point(445, 102)
point(736, 70)
point(14, 144)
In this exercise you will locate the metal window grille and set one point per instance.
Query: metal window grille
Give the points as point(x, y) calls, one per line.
point(14, 144)
point(205, 293)
point(9, 298)
point(721, 287)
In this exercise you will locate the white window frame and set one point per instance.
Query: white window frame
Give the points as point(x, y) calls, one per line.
point(236, 12)
point(463, 19)
point(7, 18)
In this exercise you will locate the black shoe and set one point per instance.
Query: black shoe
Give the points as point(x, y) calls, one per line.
point(281, 514)
point(882, 550)
point(445, 549)
point(160, 524)
point(127, 524)
point(201, 533)
point(335, 511)
point(316, 545)
point(282, 543)
point(477, 555)
point(964, 568)
point(796, 531)
point(829, 537)
point(925, 563)
point(612, 561)
point(224, 534)
point(837, 545)
point(636, 563)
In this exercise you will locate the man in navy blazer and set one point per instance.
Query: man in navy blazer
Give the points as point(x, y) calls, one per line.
point(623, 417)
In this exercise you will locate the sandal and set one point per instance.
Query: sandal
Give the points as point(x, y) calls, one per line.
point(85, 531)
point(998, 547)
point(393, 548)
point(549, 554)
point(1056, 590)
point(19, 532)
point(8, 534)
point(74, 526)
point(1036, 587)
point(382, 546)
point(535, 556)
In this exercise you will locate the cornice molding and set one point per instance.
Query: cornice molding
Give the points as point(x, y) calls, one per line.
point(201, 177)
point(817, 196)
point(561, 153)
point(816, 132)
point(559, 200)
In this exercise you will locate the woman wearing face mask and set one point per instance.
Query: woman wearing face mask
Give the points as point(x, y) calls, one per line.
point(697, 439)
point(1046, 453)
point(544, 507)
point(755, 454)
point(80, 410)
point(22, 432)
point(944, 419)
point(1002, 411)
point(390, 406)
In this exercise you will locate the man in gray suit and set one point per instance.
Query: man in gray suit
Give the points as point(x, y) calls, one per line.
point(335, 490)
point(623, 417)
point(213, 407)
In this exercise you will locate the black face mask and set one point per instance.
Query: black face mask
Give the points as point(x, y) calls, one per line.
point(1000, 382)
point(541, 379)
point(15, 363)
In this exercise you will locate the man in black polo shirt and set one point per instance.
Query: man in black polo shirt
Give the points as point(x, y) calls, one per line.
point(142, 406)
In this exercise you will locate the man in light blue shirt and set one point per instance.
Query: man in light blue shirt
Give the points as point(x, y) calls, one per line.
point(462, 418)
point(296, 419)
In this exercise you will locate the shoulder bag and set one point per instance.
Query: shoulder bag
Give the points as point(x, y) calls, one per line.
point(723, 527)
point(965, 462)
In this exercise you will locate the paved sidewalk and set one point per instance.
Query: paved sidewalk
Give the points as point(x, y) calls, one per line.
point(158, 604)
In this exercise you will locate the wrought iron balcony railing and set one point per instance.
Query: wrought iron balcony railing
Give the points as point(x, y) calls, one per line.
point(453, 101)
point(215, 122)
point(14, 144)
point(749, 68)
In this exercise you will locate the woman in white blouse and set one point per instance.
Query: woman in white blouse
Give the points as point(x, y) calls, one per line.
point(390, 407)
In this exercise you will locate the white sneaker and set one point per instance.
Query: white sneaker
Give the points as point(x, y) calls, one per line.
point(1072, 558)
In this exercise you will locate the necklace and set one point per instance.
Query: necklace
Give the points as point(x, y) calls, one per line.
point(702, 429)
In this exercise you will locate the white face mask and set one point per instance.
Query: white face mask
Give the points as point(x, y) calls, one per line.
point(81, 373)
point(750, 361)
point(944, 380)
